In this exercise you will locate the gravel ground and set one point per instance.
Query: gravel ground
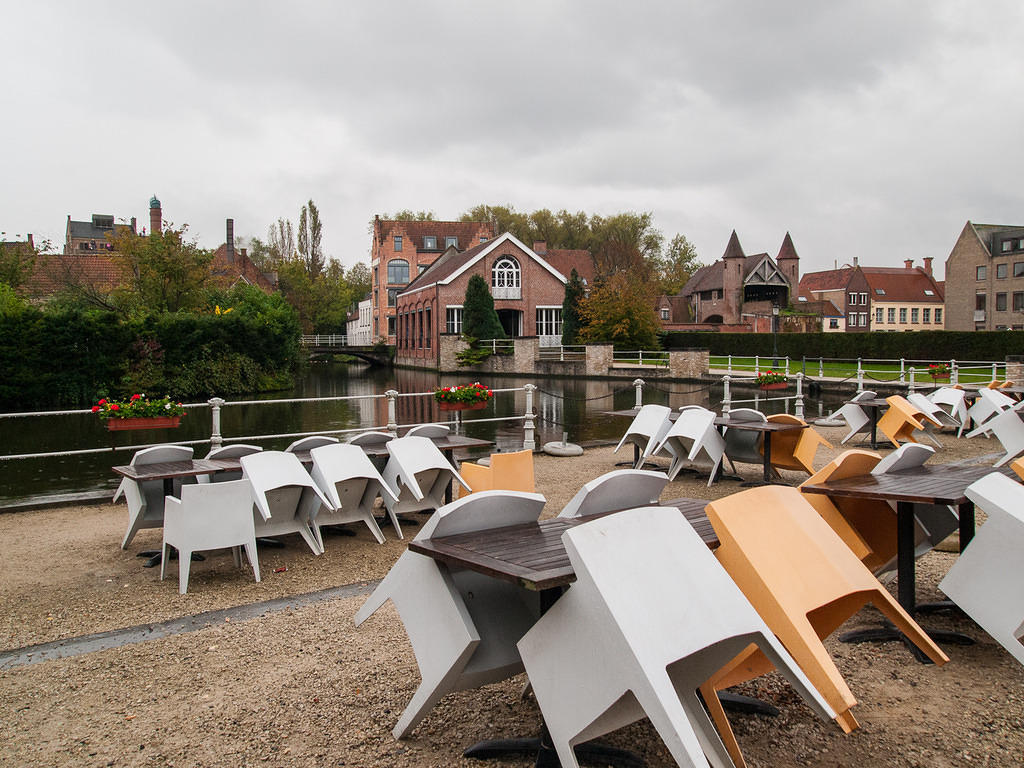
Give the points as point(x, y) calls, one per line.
point(304, 687)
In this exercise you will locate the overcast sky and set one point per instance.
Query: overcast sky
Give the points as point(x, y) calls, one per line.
point(865, 129)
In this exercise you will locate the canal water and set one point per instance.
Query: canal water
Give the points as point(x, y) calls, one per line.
point(575, 406)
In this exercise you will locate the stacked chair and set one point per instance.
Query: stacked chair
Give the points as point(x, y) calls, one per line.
point(855, 416)
point(146, 499)
point(990, 403)
point(463, 625)
point(285, 498)
point(942, 419)
point(693, 441)
point(352, 484)
point(418, 475)
point(511, 471)
point(952, 400)
point(616, 648)
point(647, 432)
point(795, 449)
point(616, 490)
point(1008, 428)
point(903, 421)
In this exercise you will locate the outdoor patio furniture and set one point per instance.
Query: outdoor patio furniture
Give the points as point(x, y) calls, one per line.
point(352, 484)
point(309, 443)
point(511, 471)
point(953, 401)
point(744, 445)
point(418, 474)
point(692, 437)
point(855, 416)
point(146, 498)
point(990, 402)
point(429, 430)
point(940, 419)
point(1008, 428)
point(804, 582)
point(903, 422)
point(463, 625)
point(618, 489)
point(234, 451)
point(656, 648)
point(795, 450)
point(985, 580)
point(646, 432)
point(209, 516)
point(285, 498)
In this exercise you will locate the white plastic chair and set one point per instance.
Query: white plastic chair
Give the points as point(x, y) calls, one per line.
point(350, 481)
point(985, 580)
point(285, 498)
point(615, 490)
point(744, 445)
point(990, 403)
point(209, 516)
point(418, 475)
point(855, 416)
point(651, 618)
point(366, 439)
point(954, 402)
point(939, 418)
point(146, 499)
point(1008, 428)
point(309, 443)
point(692, 436)
point(432, 431)
point(648, 429)
point(235, 451)
point(463, 626)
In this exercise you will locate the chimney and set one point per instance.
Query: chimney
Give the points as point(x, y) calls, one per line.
point(231, 241)
point(243, 252)
point(928, 265)
point(540, 246)
point(134, 221)
point(156, 225)
point(30, 243)
point(908, 263)
point(855, 264)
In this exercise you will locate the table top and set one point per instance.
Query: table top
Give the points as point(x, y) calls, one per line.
point(758, 426)
point(927, 484)
point(532, 555)
point(877, 402)
point(447, 443)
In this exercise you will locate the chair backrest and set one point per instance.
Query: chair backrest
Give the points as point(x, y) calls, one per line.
point(648, 427)
point(864, 394)
point(429, 430)
point(619, 489)
point(270, 471)
point(997, 493)
point(371, 438)
point(846, 515)
point(744, 444)
point(513, 471)
point(159, 454)
point(309, 443)
point(234, 451)
point(410, 456)
point(336, 464)
point(150, 493)
point(922, 403)
point(691, 429)
point(483, 511)
point(906, 456)
point(996, 399)
point(746, 414)
point(217, 512)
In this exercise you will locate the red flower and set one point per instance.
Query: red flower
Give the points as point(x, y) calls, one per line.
point(115, 407)
point(134, 398)
point(103, 401)
point(95, 408)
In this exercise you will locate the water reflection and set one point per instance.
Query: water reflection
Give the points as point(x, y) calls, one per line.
point(576, 406)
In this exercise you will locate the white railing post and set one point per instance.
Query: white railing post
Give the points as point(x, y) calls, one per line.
point(639, 384)
point(799, 405)
point(640, 357)
point(757, 365)
point(529, 443)
point(726, 396)
point(729, 366)
point(954, 372)
point(860, 376)
point(903, 374)
point(995, 371)
point(216, 440)
point(910, 384)
point(392, 395)
point(787, 366)
point(821, 367)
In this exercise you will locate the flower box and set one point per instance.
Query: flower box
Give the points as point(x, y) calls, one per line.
point(940, 376)
point(143, 422)
point(462, 406)
point(775, 385)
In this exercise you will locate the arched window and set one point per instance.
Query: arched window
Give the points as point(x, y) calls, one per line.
point(398, 272)
point(505, 278)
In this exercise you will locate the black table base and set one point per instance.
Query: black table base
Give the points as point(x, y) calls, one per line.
point(888, 632)
point(155, 556)
point(590, 753)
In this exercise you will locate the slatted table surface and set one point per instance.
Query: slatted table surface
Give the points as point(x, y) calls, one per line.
point(532, 555)
point(927, 484)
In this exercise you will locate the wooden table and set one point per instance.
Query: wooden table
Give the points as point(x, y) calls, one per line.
point(768, 428)
point(943, 484)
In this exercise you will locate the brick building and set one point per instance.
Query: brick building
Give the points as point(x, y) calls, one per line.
point(527, 287)
point(985, 279)
point(846, 290)
point(93, 236)
point(402, 250)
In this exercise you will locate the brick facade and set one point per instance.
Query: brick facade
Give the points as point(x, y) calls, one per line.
point(985, 279)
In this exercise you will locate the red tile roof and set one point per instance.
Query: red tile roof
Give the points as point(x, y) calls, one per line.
point(829, 280)
point(467, 232)
point(566, 260)
point(901, 284)
point(54, 272)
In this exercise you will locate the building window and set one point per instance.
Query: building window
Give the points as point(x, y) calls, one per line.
point(863, 319)
point(664, 314)
point(878, 315)
point(938, 315)
point(374, 297)
point(430, 328)
point(505, 278)
point(391, 326)
point(892, 314)
point(429, 242)
point(979, 301)
point(982, 272)
point(421, 268)
point(398, 272)
point(833, 323)
point(451, 242)
point(852, 322)
point(852, 299)
point(483, 238)
point(903, 314)
point(453, 319)
point(1000, 302)
point(1001, 271)
point(1007, 246)
point(392, 297)
point(926, 315)
point(914, 313)
point(398, 242)
point(1018, 301)
point(863, 299)
point(549, 321)
point(1018, 269)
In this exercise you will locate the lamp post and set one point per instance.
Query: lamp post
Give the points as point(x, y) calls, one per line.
point(775, 338)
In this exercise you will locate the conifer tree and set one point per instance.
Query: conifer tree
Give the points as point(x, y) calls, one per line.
point(479, 320)
point(571, 323)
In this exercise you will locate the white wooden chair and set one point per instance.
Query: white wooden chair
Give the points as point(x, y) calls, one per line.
point(744, 445)
point(985, 580)
point(690, 439)
point(234, 451)
point(615, 490)
point(649, 621)
point(209, 516)
point(954, 402)
point(989, 404)
point(463, 626)
point(647, 430)
point(309, 443)
point(146, 499)
point(855, 416)
point(285, 498)
point(418, 475)
point(350, 481)
point(432, 431)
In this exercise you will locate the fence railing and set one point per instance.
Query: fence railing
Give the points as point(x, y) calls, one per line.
point(498, 346)
point(889, 370)
point(563, 353)
point(324, 339)
point(641, 357)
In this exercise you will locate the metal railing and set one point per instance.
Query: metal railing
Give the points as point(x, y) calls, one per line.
point(563, 353)
point(895, 369)
point(497, 346)
point(324, 339)
point(641, 357)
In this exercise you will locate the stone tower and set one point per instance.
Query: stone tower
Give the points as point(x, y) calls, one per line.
point(789, 265)
point(155, 216)
point(733, 261)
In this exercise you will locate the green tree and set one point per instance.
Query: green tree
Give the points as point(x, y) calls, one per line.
point(17, 260)
point(409, 215)
point(571, 321)
point(359, 281)
point(281, 242)
point(673, 270)
point(620, 309)
point(166, 272)
point(479, 320)
point(310, 234)
point(625, 242)
point(503, 217)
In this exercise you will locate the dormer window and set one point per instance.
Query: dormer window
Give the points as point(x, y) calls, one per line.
point(429, 242)
point(880, 291)
point(451, 242)
point(929, 292)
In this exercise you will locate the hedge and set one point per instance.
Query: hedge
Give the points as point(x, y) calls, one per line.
point(916, 345)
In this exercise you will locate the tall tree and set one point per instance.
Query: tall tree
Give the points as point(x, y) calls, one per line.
point(310, 233)
point(620, 309)
point(673, 270)
point(17, 260)
point(409, 215)
point(166, 271)
point(504, 217)
point(625, 242)
point(281, 241)
point(571, 321)
point(479, 320)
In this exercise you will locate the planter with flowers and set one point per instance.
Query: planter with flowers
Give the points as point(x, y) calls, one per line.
point(771, 380)
point(939, 371)
point(467, 397)
point(139, 412)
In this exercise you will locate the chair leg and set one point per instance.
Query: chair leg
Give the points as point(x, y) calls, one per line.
point(894, 612)
point(371, 523)
point(310, 539)
point(254, 561)
point(721, 721)
point(184, 563)
point(714, 748)
point(236, 555)
point(163, 560)
point(661, 703)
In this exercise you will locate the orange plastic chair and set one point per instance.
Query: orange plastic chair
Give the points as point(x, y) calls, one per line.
point(507, 472)
point(804, 581)
point(1017, 465)
point(795, 449)
point(902, 420)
